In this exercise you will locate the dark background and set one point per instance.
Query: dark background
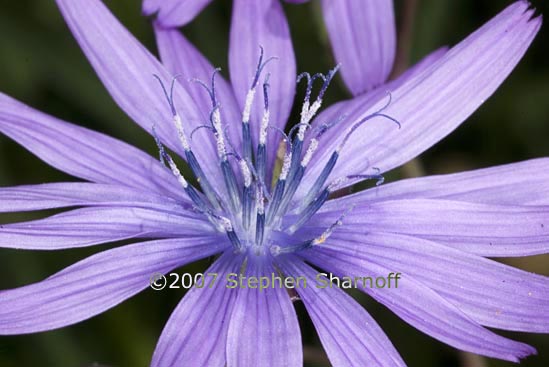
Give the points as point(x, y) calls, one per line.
point(41, 65)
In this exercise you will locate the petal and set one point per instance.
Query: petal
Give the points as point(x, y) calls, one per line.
point(481, 229)
point(523, 183)
point(174, 13)
point(92, 226)
point(196, 332)
point(423, 308)
point(127, 70)
point(363, 37)
point(67, 194)
point(84, 153)
point(433, 103)
point(258, 24)
point(180, 57)
point(491, 293)
point(263, 330)
point(350, 336)
point(95, 284)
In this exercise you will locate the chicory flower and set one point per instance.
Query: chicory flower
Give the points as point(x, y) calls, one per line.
point(437, 231)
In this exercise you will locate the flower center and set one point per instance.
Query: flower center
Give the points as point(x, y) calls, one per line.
point(251, 211)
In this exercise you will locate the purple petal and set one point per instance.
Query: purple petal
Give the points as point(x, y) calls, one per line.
point(423, 308)
point(350, 336)
point(419, 67)
point(67, 194)
point(481, 229)
point(84, 153)
point(433, 103)
point(264, 330)
point(174, 13)
point(196, 333)
point(255, 24)
point(523, 183)
point(491, 293)
point(363, 37)
point(127, 70)
point(95, 284)
point(180, 57)
point(92, 226)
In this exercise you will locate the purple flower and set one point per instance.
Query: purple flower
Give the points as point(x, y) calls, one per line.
point(437, 231)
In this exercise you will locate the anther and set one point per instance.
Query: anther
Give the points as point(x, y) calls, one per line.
point(344, 181)
point(278, 250)
point(194, 195)
point(308, 111)
point(310, 210)
point(260, 217)
point(229, 230)
point(189, 155)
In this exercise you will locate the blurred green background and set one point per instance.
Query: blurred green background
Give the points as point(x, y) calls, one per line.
point(41, 65)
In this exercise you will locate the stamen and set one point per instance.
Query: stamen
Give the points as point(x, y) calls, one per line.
point(327, 170)
point(211, 194)
point(219, 134)
point(313, 146)
point(330, 230)
point(295, 179)
point(321, 179)
point(274, 206)
point(279, 187)
point(229, 230)
point(260, 214)
point(215, 118)
point(248, 106)
point(207, 188)
point(342, 182)
point(159, 146)
point(250, 96)
point(308, 111)
point(194, 195)
point(286, 165)
point(310, 210)
point(231, 184)
point(261, 158)
point(278, 250)
point(313, 207)
point(246, 135)
point(247, 197)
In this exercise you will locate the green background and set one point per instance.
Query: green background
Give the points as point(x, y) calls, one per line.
point(41, 65)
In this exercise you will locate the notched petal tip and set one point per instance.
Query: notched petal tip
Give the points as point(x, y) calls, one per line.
point(535, 13)
point(527, 352)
